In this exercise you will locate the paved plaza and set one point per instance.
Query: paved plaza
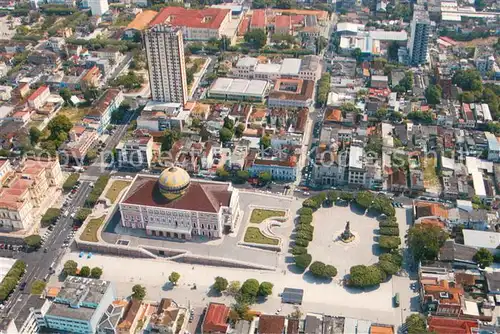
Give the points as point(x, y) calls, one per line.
point(323, 297)
point(329, 223)
point(228, 246)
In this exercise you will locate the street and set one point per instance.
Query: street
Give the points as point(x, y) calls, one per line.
point(38, 262)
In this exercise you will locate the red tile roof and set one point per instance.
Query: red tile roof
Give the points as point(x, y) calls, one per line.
point(283, 21)
point(258, 19)
point(209, 18)
point(199, 196)
point(216, 318)
point(103, 103)
point(243, 27)
point(271, 324)
point(37, 93)
point(440, 325)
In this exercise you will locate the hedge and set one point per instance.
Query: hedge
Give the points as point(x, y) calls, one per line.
point(305, 219)
point(305, 235)
point(50, 216)
point(303, 261)
point(99, 186)
point(391, 231)
point(305, 212)
point(301, 242)
point(70, 181)
point(388, 223)
point(306, 228)
point(10, 280)
point(389, 242)
point(298, 250)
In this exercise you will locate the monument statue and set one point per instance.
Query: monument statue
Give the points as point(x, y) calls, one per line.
point(347, 235)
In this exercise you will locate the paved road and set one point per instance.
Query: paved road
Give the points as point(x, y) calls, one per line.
point(39, 262)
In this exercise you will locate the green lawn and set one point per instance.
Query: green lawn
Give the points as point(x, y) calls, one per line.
point(254, 235)
point(90, 233)
point(115, 189)
point(74, 114)
point(259, 215)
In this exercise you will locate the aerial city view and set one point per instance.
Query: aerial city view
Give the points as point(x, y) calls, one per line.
point(250, 167)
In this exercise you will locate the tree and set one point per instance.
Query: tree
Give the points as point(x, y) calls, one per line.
point(222, 173)
point(250, 287)
point(34, 241)
point(233, 288)
point(50, 216)
point(416, 324)
point(138, 292)
point(84, 271)
point(364, 199)
point(346, 196)
point(91, 155)
point(228, 123)
point(330, 271)
point(65, 93)
point(70, 268)
point(317, 268)
point(298, 250)
point(243, 175)
point(356, 54)
point(96, 272)
point(225, 135)
point(117, 116)
point(283, 4)
point(365, 276)
point(81, 215)
point(256, 38)
point(483, 258)
point(238, 132)
point(35, 135)
point(220, 284)
point(381, 114)
point(468, 80)
point(168, 140)
point(433, 94)
point(195, 123)
point(266, 289)
point(59, 124)
point(37, 287)
point(425, 241)
point(265, 142)
point(174, 277)
point(389, 267)
point(303, 261)
point(265, 177)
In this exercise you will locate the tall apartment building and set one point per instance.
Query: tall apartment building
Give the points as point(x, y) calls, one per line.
point(419, 37)
point(98, 7)
point(167, 71)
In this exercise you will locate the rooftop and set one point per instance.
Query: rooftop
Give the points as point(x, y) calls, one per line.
point(303, 91)
point(216, 318)
point(103, 103)
point(271, 324)
point(142, 20)
point(258, 19)
point(199, 196)
point(490, 240)
point(239, 86)
point(38, 92)
point(208, 18)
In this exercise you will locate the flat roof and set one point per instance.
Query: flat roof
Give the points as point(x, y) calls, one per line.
point(268, 68)
point(478, 181)
point(356, 157)
point(480, 239)
point(290, 66)
point(239, 86)
point(247, 61)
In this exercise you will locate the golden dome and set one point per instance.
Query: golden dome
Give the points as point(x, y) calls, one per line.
point(173, 182)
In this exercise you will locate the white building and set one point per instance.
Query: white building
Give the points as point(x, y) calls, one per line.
point(136, 153)
point(174, 206)
point(167, 71)
point(419, 37)
point(357, 170)
point(98, 7)
point(5, 93)
point(493, 147)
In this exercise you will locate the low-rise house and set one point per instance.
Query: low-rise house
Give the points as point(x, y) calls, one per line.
point(216, 319)
point(271, 324)
point(160, 116)
point(460, 256)
point(169, 318)
point(39, 97)
point(442, 325)
point(81, 139)
point(5, 93)
point(442, 298)
point(101, 110)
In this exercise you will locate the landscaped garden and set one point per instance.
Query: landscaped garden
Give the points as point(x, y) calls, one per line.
point(90, 232)
point(259, 215)
point(254, 235)
point(115, 189)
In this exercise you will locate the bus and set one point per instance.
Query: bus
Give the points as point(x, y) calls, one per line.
point(396, 299)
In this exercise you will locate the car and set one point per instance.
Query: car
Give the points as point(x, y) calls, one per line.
point(307, 193)
point(22, 286)
point(45, 250)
